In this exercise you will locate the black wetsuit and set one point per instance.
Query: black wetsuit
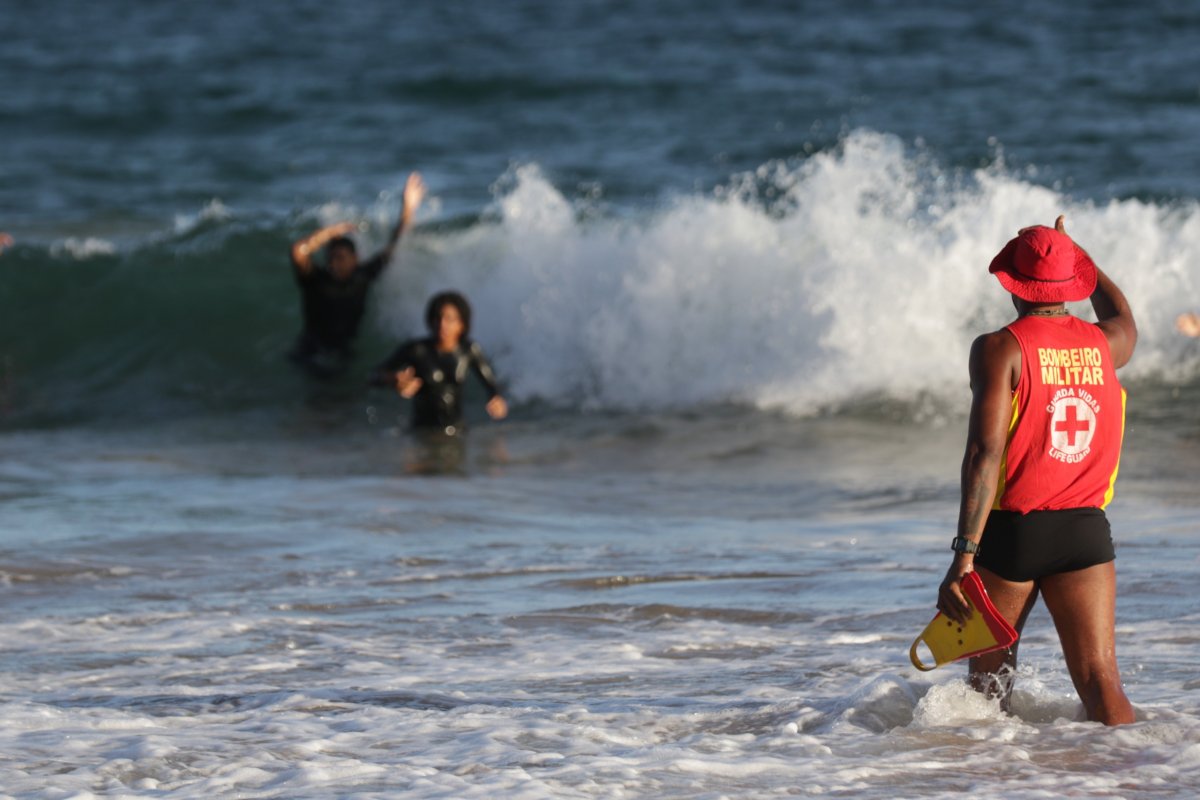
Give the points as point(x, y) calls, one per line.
point(333, 311)
point(438, 404)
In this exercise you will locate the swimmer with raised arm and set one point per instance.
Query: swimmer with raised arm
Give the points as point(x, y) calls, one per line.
point(334, 293)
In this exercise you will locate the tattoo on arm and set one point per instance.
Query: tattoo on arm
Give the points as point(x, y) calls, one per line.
point(978, 494)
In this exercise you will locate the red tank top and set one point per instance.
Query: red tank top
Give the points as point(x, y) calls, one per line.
point(1064, 441)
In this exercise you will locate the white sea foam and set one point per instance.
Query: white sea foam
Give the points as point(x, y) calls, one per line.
point(213, 211)
point(275, 649)
point(859, 272)
point(84, 248)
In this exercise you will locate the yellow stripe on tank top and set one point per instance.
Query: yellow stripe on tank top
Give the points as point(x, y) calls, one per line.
point(1000, 480)
point(1112, 479)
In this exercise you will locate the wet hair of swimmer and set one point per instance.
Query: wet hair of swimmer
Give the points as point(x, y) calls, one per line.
point(342, 242)
point(433, 311)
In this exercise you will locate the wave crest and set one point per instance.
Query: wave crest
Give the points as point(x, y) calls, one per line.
point(855, 277)
point(856, 273)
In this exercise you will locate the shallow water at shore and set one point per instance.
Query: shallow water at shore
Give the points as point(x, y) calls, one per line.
point(716, 606)
point(728, 263)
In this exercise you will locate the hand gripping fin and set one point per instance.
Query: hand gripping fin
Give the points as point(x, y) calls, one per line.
point(985, 630)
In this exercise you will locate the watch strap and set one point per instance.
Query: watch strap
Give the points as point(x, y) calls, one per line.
point(961, 545)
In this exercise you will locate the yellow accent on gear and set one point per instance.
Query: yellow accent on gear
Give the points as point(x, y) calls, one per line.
point(949, 641)
point(1012, 426)
point(1112, 479)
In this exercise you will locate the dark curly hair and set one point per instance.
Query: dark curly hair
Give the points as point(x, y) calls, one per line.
point(433, 310)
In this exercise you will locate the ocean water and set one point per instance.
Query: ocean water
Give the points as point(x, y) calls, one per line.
point(728, 262)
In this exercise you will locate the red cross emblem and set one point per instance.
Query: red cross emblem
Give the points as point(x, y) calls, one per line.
point(1071, 425)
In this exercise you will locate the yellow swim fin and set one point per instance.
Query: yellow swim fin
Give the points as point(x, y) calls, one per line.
point(985, 630)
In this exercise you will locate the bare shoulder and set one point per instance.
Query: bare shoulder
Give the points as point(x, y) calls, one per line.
point(997, 344)
point(995, 356)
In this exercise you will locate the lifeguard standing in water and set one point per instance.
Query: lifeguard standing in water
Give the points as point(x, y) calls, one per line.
point(1043, 445)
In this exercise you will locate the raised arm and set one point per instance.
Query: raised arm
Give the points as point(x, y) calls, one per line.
point(414, 193)
point(303, 249)
point(1115, 318)
point(1113, 314)
point(995, 367)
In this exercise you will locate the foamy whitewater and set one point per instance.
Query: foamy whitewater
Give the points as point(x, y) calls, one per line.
point(728, 263)
point(644, 609)
point(689, 566)
point(860, 272)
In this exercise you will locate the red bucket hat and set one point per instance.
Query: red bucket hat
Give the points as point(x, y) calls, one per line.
point(1043, 265)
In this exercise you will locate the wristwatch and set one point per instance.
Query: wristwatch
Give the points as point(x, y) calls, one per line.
point(961, 545)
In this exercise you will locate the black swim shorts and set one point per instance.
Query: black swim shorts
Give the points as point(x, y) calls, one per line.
point(1026, 547)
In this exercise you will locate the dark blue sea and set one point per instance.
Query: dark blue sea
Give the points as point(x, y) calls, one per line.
point(727, 259)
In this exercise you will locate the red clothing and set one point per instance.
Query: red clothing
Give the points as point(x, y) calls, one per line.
point(1064, 441)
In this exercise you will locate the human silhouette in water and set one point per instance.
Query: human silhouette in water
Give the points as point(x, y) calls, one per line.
point(334, 293)
point(431, 371)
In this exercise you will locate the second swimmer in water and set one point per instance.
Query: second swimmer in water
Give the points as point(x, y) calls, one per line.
point(431, 371)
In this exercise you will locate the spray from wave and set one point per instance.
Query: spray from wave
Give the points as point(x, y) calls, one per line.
point(860, 272)
point(852, 276)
